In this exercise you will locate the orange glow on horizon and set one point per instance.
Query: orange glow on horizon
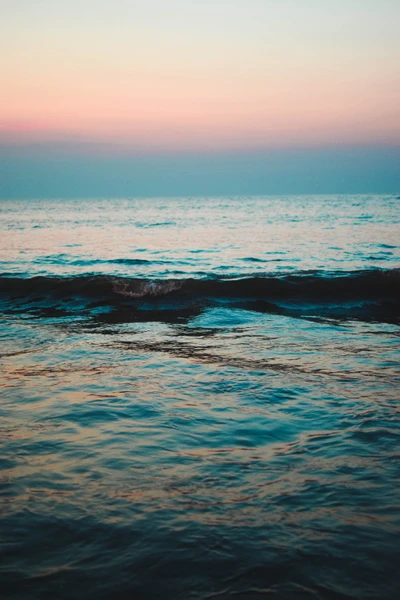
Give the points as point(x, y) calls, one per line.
point(173, 84)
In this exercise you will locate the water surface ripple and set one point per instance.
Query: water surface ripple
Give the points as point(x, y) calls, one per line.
point(199, 399)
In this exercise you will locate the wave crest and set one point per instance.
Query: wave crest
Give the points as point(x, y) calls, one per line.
point(142, 288)
point(316, 287)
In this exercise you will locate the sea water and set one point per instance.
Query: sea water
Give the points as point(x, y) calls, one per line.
point(199, 398)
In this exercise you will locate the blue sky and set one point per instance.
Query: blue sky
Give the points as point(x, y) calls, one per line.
point(138, 98)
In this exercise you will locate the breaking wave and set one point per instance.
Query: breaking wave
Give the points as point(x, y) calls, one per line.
point(316, 286)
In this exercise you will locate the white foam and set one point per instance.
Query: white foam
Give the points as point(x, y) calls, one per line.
point(140, 289)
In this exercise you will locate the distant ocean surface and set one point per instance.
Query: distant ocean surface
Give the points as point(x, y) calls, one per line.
point(200, 398)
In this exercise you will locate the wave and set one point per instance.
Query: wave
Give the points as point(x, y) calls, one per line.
point(315, 286)
point(65, 259)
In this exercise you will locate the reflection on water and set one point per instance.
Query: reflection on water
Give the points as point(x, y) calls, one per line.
point(267, 467)
point(232, 437)
point(181, 237)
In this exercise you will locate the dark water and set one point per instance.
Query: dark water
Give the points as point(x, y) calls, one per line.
point(200, 398)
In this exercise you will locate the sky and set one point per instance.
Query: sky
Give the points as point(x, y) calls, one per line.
point(172, 97)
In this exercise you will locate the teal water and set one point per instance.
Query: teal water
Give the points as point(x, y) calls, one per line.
point(200, 398)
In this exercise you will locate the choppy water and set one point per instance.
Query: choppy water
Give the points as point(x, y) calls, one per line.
point(199, 398)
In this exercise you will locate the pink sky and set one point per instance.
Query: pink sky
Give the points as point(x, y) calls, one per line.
point(236, 76)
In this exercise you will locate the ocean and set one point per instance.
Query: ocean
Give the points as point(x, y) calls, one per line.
point(200, 398)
